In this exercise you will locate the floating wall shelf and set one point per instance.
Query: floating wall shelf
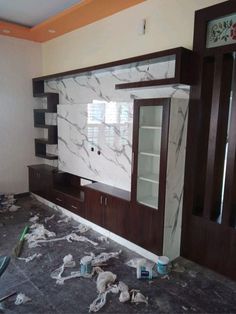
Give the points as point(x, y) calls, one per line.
point(39, 122)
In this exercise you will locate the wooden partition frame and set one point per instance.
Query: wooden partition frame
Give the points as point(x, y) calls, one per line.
point(204, 239)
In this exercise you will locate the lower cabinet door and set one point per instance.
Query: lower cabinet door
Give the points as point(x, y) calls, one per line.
point(39, 183)
point(94, 206)
point(115, 215)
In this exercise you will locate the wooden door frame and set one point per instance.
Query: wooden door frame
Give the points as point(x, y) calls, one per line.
point(199, 107)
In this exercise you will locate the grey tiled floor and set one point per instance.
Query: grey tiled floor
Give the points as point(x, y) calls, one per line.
point(196, 290)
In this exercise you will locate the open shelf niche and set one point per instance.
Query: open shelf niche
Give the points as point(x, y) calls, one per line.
point(52, 100)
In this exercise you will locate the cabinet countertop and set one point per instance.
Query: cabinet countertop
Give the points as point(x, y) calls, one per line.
point(109, 190)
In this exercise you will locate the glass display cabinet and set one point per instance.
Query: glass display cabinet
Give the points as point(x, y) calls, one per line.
point(150, 146)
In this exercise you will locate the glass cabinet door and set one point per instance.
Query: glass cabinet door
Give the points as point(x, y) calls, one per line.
point(149, 146)
point(149, 138)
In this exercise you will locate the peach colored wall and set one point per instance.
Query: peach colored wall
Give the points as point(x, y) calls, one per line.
point(20, 60)
point(169, 24)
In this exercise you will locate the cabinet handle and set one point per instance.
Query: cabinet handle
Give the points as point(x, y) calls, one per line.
point(58, 199)
point(101, 200)
point(105, 203)
point(75, 207)
point(132, 163)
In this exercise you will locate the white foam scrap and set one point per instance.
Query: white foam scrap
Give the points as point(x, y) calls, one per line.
point(74, 237)
point(103, 239)
point(64, 220)
point(105, 279)
point(99, 302)
point(68, 262)
point(82, 228)
point(21, 298)
point(138, 297)
point(39, 234)
point(6, 202)
point(134, 262)
point(104, 257)
point(105, 285)
point(13, 208)
point(49, 218)
point(30, 258)
point(34, 219)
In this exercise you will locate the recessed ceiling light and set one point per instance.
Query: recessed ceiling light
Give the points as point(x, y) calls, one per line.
point(6, 31)
point(52, 31)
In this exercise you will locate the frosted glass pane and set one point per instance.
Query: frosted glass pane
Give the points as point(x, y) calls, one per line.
point(150, 141)
point(151, 116)
point(149, 149)
point(221, 31)
point(147, 193)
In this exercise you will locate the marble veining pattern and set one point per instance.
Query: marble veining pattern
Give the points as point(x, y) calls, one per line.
point(114, 167)
point(175, 176)
point(81, 138)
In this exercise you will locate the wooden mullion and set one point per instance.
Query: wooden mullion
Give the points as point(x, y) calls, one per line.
point(215, 108)
point(230, 188)
point(201, 140)
point(226, 82)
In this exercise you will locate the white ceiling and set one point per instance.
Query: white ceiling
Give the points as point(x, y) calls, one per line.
point(32, 12)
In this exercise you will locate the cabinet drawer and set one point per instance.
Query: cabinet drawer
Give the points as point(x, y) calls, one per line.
point(59, 198)
point(75, 206)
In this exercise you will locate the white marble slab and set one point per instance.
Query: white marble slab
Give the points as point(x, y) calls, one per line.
point(95, 142)
point(114, 166)
point(175, 177)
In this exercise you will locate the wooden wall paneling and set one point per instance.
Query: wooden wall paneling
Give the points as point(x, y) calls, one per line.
point(115, 215)
point(94, 207)
point(203, 239)
point(201, 117)
point(217, 135)
point(228, 215)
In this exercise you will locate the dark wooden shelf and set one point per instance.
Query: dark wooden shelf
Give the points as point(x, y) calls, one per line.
point(46, 141)
point(153, 83)
point(40, 121)
point(45, 126)
point(43, 167)
point(49, 94)
point(44, 111)
point(183, 75)
point(71, 191)
point(110, 190)
point(47, 156)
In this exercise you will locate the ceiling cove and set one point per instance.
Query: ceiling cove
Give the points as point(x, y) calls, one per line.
point(72, 16)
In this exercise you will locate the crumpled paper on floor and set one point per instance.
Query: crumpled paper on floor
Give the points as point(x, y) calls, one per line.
point(106, 284)
point(68, 262)
point(104, 257)
point(39, 234)
point(7, 202)
point(30, 258)
point(21, 298)
point(81, 228)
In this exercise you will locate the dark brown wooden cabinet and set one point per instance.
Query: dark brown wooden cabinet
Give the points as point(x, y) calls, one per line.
point(40, 180)
point(108, 207)
point(62, 189)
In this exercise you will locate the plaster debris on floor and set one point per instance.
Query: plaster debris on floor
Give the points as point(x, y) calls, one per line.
point(7, 203)
point(21, 298)
point(61, 270)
